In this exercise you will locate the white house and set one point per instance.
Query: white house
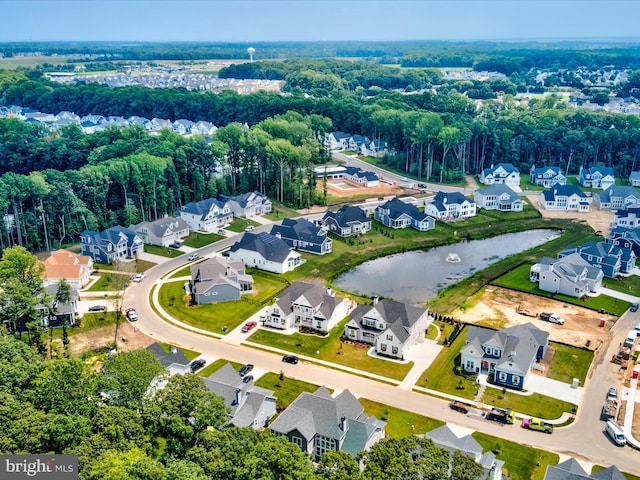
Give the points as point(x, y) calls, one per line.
point(564, 197)
point(450, 206)
point(207, 215)
point(570, 275)
point(247, 204)
point(547, 176)
point(504, 173)
point(265, 252)
point(498, 197)
point(617, 197)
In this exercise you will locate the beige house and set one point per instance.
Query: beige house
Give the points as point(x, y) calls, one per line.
point(74, 268)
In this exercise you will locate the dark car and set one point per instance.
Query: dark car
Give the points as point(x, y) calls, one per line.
point(197, 364)
point(97, 308)
point(290, 359)
point(246, 369)
point(634, 307)
point(247, 379)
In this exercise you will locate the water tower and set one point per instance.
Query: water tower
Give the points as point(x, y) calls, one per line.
point(251, 51)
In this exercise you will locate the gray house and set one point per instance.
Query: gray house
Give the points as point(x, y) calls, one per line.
point(248, 204)
point(571, 470)
point(570, 275)
point(303, 235)
point(219, 280)
point(175, 361)
point(318, 422)
point(498, 197)
point(617, 197)
point(348, 221)
point(397, 214)
point(163, 232)
point(547, 176)
point(112, 244)
point(250, 406)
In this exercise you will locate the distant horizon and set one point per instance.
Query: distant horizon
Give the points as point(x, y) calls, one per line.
point(232, 21)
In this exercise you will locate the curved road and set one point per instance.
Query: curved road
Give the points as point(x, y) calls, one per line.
point(584, 439)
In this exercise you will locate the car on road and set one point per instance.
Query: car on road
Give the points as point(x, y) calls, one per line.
point(249, 228)
point(193, 256)
point(245, 369)
point(290, 359)
point(404, 179)
point(197, 364)
point(97, 308)
point(138, 277)
point(249, 326)
point(221, 232)
point(612, 394)
point(132, 315)
point(634, 307)
point(422, 185)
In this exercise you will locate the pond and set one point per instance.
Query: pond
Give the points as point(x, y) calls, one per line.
point(418, 276)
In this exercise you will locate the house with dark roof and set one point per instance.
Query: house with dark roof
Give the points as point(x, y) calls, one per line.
point(625, 238)
point(450, 206)
point(634, 179)
point(219, 279)
point(627, 218)
point(248, 204)
point(163, 232)
point(347, 222)
point(596, 177)
point(507, 354)
point(564, 197)
point(504, 173)
point(55, 313)
point(391, 327)
point(266, 252)
point(318, 423)
point(616, 198)
point(303, 235)
point(74, 268)
point(571, 470)
point(175, 361)
point(570, 275)
point(397, 214)
point(361, 177)
point(306, 305)
point(249, 405)
point(547, 176)
point(112, 244)
point(611, 259)
point(498, 197)
point(448, 438)
point(206, 216)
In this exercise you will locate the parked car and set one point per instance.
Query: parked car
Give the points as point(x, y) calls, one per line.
point(249, 228)
point(616, 433)
point(197, 364)
point(247, 379)
point(634, 307)
point(249, 326)
point(193, 256)
point(138, 277)
point(132, 315)
point(290, 359)
point(97, 308)
point(221, 232)
point(245, 369)
point(612, 394)
point(176, 245)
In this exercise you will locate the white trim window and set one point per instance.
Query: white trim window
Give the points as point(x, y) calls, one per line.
point(502, 376)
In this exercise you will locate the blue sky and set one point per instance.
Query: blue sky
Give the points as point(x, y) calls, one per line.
point(312, 20)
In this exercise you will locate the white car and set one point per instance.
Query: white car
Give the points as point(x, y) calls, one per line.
point(132, 315)
point(138, 277)
point(249, 228)
point(193, 256)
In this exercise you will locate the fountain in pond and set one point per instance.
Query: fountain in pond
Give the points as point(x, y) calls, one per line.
point(453, 258)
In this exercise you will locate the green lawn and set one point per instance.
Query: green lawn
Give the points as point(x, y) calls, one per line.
point(214, 317)
point(190, 354)
point(286, 390)
point(162, 251)
point(133, 266)
point(199, 239)
point(332, 349)
point(521, 462)
point(183, 272)
point(630, 285)
point(239, 224)
point(569, 363)
point(109, 281)
point(400, 423)
point(629, 476)
point(536, 405)
point(217, 365)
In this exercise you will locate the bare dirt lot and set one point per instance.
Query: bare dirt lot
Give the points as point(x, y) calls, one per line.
point(102, 338)
point(343, 189)
point(498, 307)
point(598, 219)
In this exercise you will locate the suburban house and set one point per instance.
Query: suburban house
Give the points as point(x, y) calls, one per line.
point(617, 197)
point(627, 218)
point(250, 405)
point(508, 354)
point(547, 176)
point(498, 197)
point(248, 204)
point(175, 361)
point(163, 232)
point(450, 206)
point(354, 143)
point(564, 197)
point(355, 175)
point(634, 179)
point(625, 238)
point(348, 221)
point(570, 469)
point(337, 140)
point(306, 305)
point(504, 173)
point(611, 259)
point(112, 244)
point(219, 280)
point(206, 216)
point(397, 214)
point(318, 423)
point(596, 177)
point(450, 438)
point(56, 314)
point(74, 268)
point(266, 252)
point(303, 235)
point(391, 327)
point(570, 275)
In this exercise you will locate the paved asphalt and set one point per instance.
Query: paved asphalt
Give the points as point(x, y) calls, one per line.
point(584, 439)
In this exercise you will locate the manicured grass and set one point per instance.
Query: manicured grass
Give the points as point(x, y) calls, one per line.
point(190, 354)
point(199, 239)
point(162, 251)
point(239, 224)
point(400, 423)
point(217, 365)
point(286, 390)
point(569, 363)
point(332, 349)
point(432, 332)
point(536, 405)
point(132, 266)
point(518, 279)
point(522, 462)
point(439, 376)
point(445, 330)
point(214, 317)
point(630, 285)
point(629, 476)
point(108, 282)
point(183, 272)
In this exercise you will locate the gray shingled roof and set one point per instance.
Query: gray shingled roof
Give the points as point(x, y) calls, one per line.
point(300, 229)
point(203, 207)
point(399, 316)
point(346, 215)
point(268, 246)
point(167, 359)
point(315, 293)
